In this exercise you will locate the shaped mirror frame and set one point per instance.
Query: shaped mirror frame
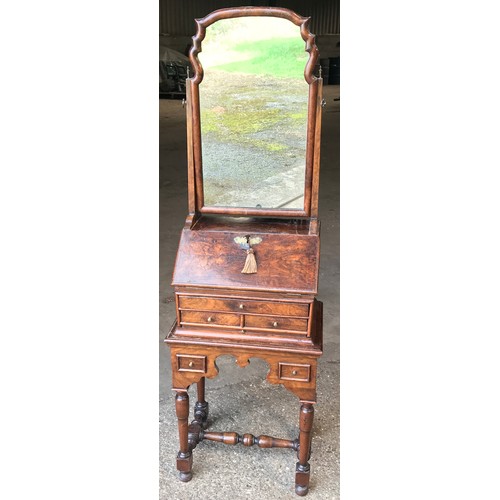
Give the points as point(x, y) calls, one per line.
point(312, 160)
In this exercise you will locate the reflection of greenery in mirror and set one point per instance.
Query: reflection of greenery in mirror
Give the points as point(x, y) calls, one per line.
point(253, 102)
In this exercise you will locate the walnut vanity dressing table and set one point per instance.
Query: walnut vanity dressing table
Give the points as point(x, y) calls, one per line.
point(246, 272)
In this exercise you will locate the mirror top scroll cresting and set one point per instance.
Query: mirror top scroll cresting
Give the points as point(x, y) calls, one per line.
point(253, 115)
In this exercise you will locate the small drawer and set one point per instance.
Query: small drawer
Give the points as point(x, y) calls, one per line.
point(209, 318)
point(299, 373)
point(275, 323)
point(191, 363)
point(276, 308)
point(244, 306)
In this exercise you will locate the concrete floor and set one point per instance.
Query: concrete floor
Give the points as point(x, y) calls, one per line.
point(239, 397)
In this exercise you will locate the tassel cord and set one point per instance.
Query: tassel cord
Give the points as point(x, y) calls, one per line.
point(250, 263)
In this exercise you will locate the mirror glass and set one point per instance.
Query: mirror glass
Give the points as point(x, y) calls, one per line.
point(253, 104)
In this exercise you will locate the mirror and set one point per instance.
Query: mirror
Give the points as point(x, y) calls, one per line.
point(253, 114)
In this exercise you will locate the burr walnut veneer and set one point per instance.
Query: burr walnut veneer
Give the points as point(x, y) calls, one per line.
point(268, 312)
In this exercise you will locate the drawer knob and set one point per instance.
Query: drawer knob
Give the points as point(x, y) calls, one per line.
point(294, 372)
point(275, 324)
point(191, 364)
point(242, 331)
point(241, 306)
point(210, 319)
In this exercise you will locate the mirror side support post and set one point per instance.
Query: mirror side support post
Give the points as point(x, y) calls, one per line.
point(311, 130)
point(193, 214)
point(314, 226)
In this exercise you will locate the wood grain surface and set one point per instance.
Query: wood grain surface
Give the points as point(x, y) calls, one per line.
point(286, 262)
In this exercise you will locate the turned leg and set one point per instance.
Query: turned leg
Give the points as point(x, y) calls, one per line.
point(302, 469)
point(185, 456)
point(201, 406)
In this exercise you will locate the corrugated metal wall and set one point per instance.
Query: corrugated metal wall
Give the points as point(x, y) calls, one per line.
point(177, 16)
point(325, 17)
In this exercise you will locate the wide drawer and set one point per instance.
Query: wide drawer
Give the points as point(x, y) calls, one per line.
point(276, 323)
point(210, 318)
point(244, 306)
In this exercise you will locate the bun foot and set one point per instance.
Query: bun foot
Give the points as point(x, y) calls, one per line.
point(185, 476)
point(301, 490)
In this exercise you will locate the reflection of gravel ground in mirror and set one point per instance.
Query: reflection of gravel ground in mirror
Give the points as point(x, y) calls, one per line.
point(228, 185)
point(253, 139)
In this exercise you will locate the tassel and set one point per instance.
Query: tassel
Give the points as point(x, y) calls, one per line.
point(250, 263)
